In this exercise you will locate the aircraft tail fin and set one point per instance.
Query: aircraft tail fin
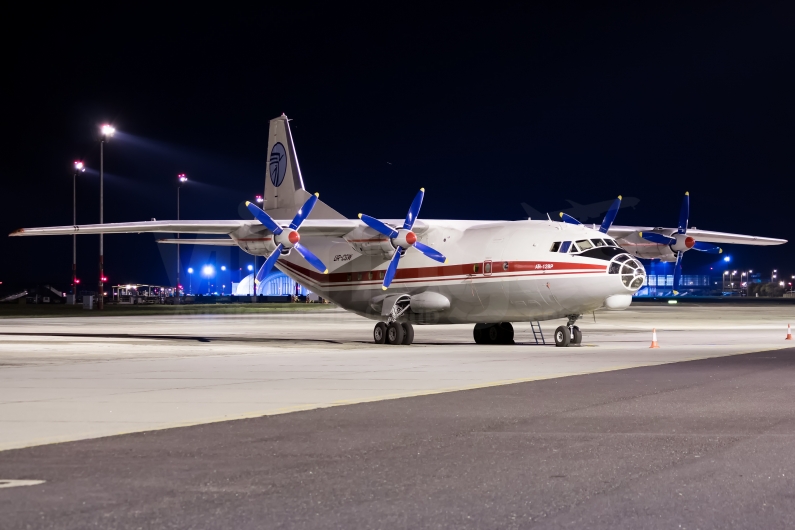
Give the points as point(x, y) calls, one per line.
point(284, 184)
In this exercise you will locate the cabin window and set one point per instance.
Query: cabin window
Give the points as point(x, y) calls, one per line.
point(380, 275)
point(370, 275)
point(584, 244)
point(476, 268)
point(555, 246)
point(487, 267)
point(348, 278)
point(564, 247)
point(359, 276)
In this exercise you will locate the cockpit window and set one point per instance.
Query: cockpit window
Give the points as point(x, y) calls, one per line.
point(574, 248)
point(555, 246)
point(584, 244)
point(598, 242)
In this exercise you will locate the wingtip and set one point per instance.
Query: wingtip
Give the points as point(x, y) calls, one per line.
point(17, 232)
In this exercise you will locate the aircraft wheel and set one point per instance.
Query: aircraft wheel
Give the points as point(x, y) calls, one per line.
point(494, 334)
point(562, 336)
point(576, 336)
point(480, 333)
point(408, 333)
point(506, 332)
point(379, 333)
point(394, 333)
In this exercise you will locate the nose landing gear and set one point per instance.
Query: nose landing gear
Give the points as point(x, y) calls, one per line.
point(568, 335)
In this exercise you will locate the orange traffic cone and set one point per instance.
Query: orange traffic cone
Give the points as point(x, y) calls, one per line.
point(789, 333)
point(654, 339)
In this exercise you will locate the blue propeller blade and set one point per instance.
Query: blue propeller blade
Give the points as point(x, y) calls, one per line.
point(390, 271)
point(264, 218)
point(378, 226)
point(414, 210)
point(684, 213)
point(569, 219)
point(431, 253)
point(708, 248)
point(610, 216)
point(678, 272)
point(311, 258)
point(269, 263)
point(654, 237)
point(304, 212)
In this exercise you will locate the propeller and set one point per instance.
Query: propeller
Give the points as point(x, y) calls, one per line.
point(610, 216)
point(402, 238)
point(681, 243)
point(286, 238)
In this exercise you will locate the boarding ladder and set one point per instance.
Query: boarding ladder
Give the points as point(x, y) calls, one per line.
point(536, 327)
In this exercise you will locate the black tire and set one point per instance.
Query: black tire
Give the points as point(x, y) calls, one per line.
point(576, 337)
point(394, 333)
point(562, 337)
point(408, 334)
point(480, 333)
point(379, 333)
point(494, 334)
point(506, 332)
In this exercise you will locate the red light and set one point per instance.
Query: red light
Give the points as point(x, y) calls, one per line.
point(104, 279)
point(77, 281)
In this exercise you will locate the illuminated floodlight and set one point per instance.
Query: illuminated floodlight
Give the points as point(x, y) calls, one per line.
point(208, 270)
point(727, 259)
point(79, 166)
point(259, 199)
point(107, 131)
point(223, 267)
point(182, 177)
point(250, 267)
point(190, 270)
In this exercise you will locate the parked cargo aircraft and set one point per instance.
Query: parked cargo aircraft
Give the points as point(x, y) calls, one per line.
point(413, 271)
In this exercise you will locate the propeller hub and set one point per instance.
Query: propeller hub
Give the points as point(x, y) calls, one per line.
point(411, 238)
point(294, 238)
point(689, 242)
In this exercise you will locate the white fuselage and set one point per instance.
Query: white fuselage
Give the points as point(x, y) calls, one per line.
point(496, 271)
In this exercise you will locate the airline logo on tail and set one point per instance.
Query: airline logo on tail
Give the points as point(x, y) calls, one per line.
point(278, 164)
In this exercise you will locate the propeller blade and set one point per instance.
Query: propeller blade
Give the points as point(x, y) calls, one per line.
point(311, 258)
point(569, 219)
point(414, 210)
point(269, 263)
point(304, 212)
point(684, 213)
point(707, 247)
point(678, 271)
point(654, 237)
point(610, 216)
point(378, 226)
point(390, 271)
point(264, 218)
point(431, 253)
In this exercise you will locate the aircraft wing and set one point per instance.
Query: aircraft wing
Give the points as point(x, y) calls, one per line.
point(310, 227)
point(701, 235)
point(225, 242)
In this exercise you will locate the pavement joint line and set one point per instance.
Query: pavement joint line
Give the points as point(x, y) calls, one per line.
point(313, 406)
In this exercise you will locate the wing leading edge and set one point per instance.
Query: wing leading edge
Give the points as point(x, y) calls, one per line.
point(708, 236)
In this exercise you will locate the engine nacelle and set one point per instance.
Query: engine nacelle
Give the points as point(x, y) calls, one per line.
point(254, 239)
point(370, 243)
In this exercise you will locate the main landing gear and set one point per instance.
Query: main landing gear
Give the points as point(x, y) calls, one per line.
point(392, 331)
point(568, 335)
point(500, 333)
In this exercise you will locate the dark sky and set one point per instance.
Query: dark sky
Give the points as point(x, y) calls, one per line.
point(485, 107)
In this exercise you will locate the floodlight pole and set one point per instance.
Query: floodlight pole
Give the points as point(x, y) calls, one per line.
point(74, 236)
point(101, 300)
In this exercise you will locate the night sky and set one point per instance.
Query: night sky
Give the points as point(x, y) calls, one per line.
point(485, 107)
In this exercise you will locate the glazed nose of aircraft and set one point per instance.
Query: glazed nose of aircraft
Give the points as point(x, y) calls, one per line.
point(630, 271)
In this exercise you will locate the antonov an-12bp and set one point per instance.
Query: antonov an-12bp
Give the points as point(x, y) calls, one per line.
point(414, 271)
